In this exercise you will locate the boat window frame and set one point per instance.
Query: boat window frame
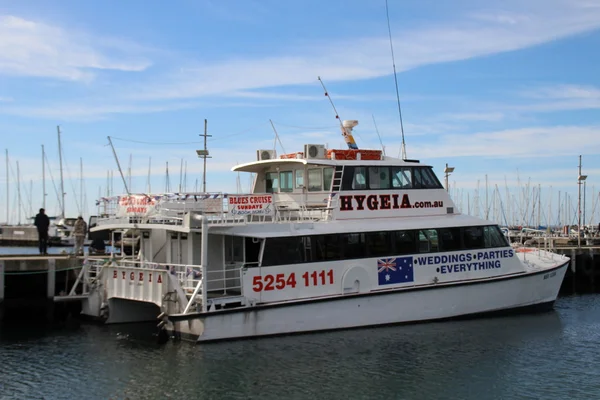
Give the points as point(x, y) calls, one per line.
point(289, 179)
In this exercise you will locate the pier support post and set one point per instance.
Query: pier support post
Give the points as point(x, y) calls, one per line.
point(1, 290)
point(1, 281)
point(51, 278)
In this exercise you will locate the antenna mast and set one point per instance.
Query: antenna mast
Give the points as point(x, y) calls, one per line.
point(346, 133)
point(204, 155)
point(403, 149)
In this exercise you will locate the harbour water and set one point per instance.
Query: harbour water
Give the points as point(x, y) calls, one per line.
point(554, 355)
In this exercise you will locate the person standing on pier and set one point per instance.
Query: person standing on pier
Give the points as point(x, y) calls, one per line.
point(42, 222)
point(79, 231)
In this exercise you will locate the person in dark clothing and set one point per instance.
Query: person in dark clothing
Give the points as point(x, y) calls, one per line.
point(42, 222)
point(97, 246)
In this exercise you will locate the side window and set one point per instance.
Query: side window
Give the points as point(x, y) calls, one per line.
point(283, 250)
point(327, 178)
point(332, 247)
point(379, 177)
point(299, 178)
point(401, 178)
point(360, 178)
point(315, 180)
point(450, 239)
point(473, 237)
point(272, 182)
point(428, 241)
point(493, 237)
point(354, 245)
point(285, 179)
point(378, 244)
point(404, 242)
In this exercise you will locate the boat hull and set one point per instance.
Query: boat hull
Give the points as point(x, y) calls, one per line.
point(523, 292)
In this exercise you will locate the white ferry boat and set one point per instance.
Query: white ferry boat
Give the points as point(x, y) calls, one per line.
point(328, 239)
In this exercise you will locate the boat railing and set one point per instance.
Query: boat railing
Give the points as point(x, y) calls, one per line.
point(176, 209)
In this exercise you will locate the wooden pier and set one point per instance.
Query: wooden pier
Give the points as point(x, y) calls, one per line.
point(31, 284)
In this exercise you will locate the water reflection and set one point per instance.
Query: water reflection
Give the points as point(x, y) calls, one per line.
point(537, 356)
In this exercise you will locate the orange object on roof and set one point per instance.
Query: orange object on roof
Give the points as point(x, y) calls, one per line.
point(292, 155)
point(353, 154)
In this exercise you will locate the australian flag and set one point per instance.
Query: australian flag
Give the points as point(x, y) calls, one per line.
point(395, 270)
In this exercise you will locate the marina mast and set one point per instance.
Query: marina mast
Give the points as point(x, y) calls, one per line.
point(7, 190)
point(43, 178)
point(62, 183)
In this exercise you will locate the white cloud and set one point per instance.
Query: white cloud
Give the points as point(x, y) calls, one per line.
point(485, 33)
point(476, 116)
point(523, 142)
point(30, 48)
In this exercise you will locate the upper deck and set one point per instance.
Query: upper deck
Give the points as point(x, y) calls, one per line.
point(316, 185)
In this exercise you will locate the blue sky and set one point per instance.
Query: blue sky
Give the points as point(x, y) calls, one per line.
point(505, 89)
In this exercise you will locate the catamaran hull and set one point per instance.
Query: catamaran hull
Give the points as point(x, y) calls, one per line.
point(524, 292)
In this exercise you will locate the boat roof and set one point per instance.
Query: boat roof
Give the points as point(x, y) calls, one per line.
point(359, 225)
point(258, 166)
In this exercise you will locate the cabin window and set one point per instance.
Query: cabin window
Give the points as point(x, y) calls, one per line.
point(450, 239)
point(272, 182)
point(299, 178)
point(359, 180)
point(354, 245)
point(401, 178)
point(404, 242)
point(473, 237)
point(424, 178)
point(493, 237)
point(315, 180)
point(428, 241)
point(379, 177)
point(283, 250)
point(326, 247)
point(285, 179)
point(327, 178)
point(378, 244)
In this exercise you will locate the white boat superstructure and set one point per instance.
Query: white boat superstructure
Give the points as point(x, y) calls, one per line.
point(328, 239)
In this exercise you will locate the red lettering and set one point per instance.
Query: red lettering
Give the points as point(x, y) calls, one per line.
point(115, 274)
point(132, 276)
point(372, 202)
point(360, 199)
point(141, 276)
point(385, 201)
point(159, 280)
point(150, 277)
point(405, 202)
point(346, 203)
point(395, 198)
point(269, 280)
point(123, 274)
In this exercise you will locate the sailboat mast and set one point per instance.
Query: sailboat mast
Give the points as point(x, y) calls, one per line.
point(7, 190)
point(43, 178)
point(81, 184)
point(149, 174)
point(18, 193)
point(62, 183)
